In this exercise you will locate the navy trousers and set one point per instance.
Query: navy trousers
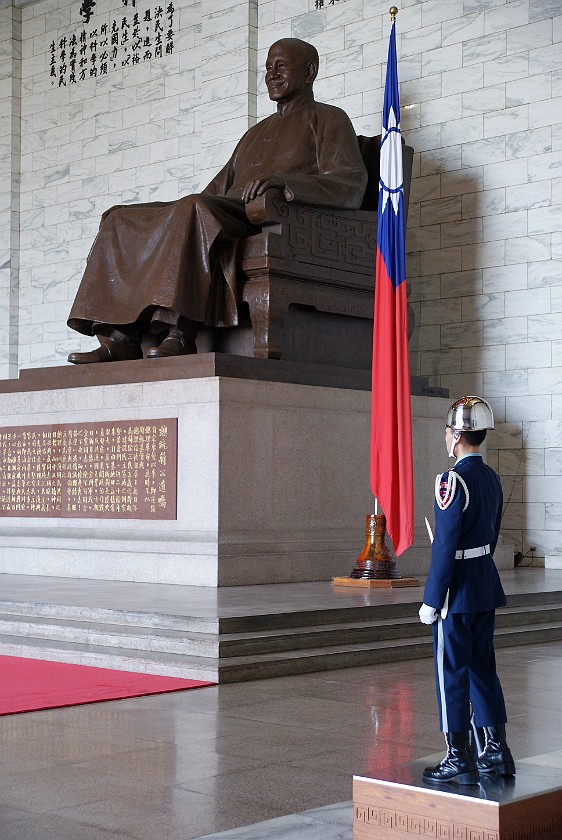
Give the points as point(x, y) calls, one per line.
point(465, 671)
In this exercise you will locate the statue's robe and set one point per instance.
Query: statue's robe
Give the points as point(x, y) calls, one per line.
point(181, 255)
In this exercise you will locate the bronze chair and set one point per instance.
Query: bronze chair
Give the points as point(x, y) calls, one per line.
point(308, 277)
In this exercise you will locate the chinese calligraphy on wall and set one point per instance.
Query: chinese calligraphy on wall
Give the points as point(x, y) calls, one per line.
point(113, 470)
point(103, 45)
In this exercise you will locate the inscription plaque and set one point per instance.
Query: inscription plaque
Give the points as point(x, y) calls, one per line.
point(110, 470)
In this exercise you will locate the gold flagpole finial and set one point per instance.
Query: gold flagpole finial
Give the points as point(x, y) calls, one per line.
point(393, 12)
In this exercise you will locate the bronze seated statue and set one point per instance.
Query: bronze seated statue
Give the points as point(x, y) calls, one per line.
point(280, 225)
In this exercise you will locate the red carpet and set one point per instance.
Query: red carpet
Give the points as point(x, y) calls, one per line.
point(27, 685)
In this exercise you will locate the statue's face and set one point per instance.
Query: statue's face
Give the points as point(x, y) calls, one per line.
point(287, 72)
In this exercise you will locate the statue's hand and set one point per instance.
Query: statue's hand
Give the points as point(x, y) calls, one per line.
point(260, 185)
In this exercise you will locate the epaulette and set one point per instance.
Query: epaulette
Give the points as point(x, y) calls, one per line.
point(445, 489)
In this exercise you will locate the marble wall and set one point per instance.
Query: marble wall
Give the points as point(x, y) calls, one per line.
point(481, 97)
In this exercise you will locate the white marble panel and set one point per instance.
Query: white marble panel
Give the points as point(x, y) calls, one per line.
point(364, 32)
point(416, 41)
point(507, 121)
point(530, 36)
point(462, 233)
point(542, 328)
point(440, 312)
point(484, 49)
point(483, 359)
point(345, 61)
point(462, 130)
point(526, 196)
point(416, 91)
point(483, 101)
point(556, 297)
point(106, 164)
point(441, 110)
point(95, 106)
point(461, 27)
point(461, 283)
point(505, 174)
point(533, 515)
point(438, 362)
point(527, 248)
point(507, 69)
point(545, 219)
point(425, 338)
point(463, 79)
point(495, 19)
point(528, 408)
point(534, 89)
point(485, 203)
point(556, 355)
point(513, 382)
point(505, 225)
point(545, 112)
point(440, 160)
point(340, 14)
point(532, 302)
point(484, 255)
point(483, 152)
point(461, 182)
point(483, 307)
point(410, 66)
point(528, 143)
point(365, 81)
point(442, 260)
point(505, 331)
point(545, 59)
point(553, 518)
point(536, 489)
point(138, 156)
point(440, 210)
point(441, 60)
point(224, 20)
point(463, 383)
point(546, 381)
point(455, 336)
point(425, 189)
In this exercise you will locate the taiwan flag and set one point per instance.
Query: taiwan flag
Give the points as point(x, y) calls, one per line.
point(392, 479)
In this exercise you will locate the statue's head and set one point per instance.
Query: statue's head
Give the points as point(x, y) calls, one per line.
point(291, 68)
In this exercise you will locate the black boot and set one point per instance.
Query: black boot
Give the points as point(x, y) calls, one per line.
point(459, 765)
point(496, 757)
point(478, 738)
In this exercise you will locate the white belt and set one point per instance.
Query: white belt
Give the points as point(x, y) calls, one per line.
point(469, 553)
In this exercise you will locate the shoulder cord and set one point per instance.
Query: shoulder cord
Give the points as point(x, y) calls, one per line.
point(443, 504)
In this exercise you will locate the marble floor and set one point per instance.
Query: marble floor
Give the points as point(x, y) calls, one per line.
point(268, 759)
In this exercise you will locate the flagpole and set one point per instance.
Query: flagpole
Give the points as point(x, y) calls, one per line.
point(392, 469)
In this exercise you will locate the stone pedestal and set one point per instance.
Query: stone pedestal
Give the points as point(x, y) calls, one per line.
point(273, 476)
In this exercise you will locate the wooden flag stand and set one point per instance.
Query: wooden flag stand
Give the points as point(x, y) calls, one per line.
point(376, 567)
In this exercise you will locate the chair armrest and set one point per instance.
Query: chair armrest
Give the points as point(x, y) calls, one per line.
point(270, 208)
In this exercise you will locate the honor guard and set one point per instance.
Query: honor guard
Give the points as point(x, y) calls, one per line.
point(461, 594)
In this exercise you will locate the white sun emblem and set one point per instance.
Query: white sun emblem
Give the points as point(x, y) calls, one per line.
point(391, 164)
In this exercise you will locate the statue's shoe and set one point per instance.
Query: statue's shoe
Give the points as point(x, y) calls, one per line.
point(110, 352)
point(173, 346)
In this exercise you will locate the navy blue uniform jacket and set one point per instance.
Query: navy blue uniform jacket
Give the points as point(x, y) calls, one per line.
point(474, 584)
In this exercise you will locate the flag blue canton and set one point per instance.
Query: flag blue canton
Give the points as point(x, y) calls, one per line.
point(391, 233)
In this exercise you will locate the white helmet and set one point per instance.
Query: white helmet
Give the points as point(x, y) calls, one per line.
point(470, 414)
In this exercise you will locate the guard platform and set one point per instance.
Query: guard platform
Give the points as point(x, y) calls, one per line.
point(400, 805)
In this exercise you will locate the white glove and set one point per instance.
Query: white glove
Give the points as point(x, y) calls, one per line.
point(428, 614)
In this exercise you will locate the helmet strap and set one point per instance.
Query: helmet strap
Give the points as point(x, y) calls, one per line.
point(456, 438)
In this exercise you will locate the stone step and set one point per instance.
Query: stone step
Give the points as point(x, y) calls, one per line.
point(258, 666)
point(191, 643)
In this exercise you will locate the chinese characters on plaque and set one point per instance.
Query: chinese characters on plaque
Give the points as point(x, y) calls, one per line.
point(319, 4)
point(103, 44)
point(113, 470)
